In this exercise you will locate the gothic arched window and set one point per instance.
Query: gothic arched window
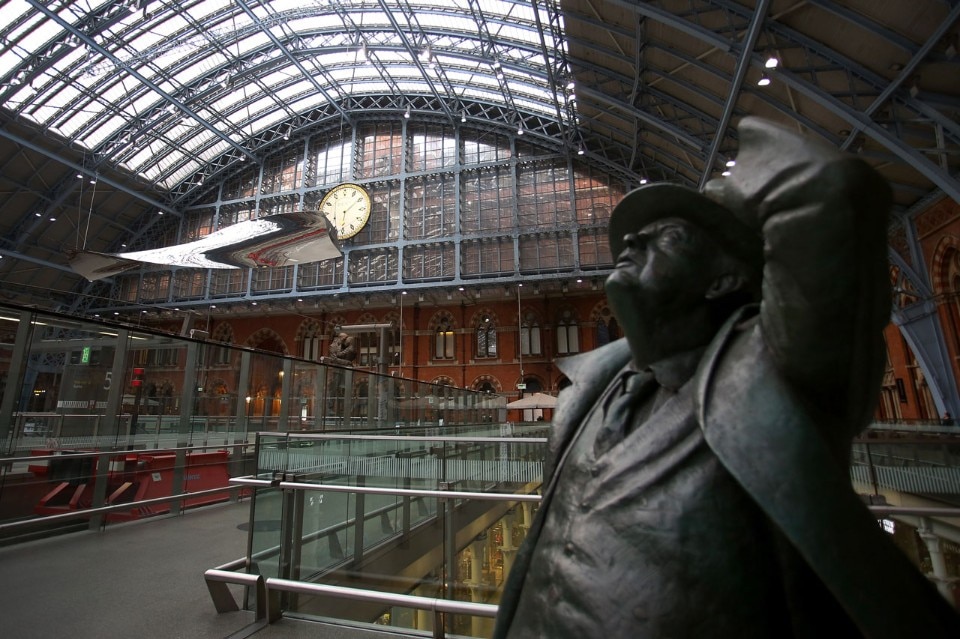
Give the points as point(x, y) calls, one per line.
point(530, 336)
point(486, 338)
point(444, 340)
point(568, 334)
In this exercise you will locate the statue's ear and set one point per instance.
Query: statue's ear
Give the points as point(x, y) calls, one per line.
point(725, 284)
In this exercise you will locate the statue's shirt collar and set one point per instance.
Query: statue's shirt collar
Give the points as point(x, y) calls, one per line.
point(674, 371)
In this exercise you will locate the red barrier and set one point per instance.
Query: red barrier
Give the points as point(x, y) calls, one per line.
point(136, 477)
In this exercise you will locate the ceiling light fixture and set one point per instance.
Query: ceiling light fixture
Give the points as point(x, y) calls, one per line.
point(463, 116)
point(407, 113)
point(764, 80)
point(731, 163)
point(772, 62)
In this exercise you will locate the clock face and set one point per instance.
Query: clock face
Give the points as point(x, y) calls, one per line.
point(347, 206)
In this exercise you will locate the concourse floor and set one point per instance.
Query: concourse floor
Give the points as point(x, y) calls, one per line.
point(142, 579)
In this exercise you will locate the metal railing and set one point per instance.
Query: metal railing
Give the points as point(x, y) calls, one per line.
point(269, 607)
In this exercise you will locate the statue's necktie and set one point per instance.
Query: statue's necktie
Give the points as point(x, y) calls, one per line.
point(632, 390)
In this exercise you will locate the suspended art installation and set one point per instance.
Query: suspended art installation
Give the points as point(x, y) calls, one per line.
point(281, 239)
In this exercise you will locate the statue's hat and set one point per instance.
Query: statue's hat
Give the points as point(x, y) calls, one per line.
point(728, 208)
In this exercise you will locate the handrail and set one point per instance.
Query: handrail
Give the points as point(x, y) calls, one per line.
point(439, 607)
point(423, 438)
point(410, 492)
point(115, 453)
point(927, 511)
point(88, 512)
point(373, 490)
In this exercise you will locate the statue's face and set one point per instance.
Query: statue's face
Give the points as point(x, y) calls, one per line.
point(663, 271)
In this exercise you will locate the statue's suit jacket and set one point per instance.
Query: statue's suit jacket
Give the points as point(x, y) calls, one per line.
point(767, 438)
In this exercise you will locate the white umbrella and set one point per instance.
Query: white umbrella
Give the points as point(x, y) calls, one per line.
point(536, 400)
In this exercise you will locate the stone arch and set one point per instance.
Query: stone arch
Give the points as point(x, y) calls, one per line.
point(309, 327)
point(267, 339)
point(440, 316)
point(945, 274)
point(223, 333)
point(482, 312)
point(567, 310)
point(335, 321)
point(482, 380)
point(392, 317)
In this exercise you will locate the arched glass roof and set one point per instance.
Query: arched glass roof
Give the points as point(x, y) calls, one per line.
point(168, 88)
point(155, 102)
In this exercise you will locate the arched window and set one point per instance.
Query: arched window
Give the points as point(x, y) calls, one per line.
point(310, 341)
point(607, 330)
point(486, 387)
point(221, 354)
point(444, 340)
point(486, 338)
point(568, 334)
point(530, 336)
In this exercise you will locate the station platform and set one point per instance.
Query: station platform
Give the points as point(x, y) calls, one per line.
point(139, 579)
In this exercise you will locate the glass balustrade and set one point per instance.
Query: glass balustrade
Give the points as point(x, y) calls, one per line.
point(95, 414)
point(411, 513)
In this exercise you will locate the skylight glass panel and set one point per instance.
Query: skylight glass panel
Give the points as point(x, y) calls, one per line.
point(265, 122)
point(252, 42)
point(197, 141)
point(147, 39)
point(37, 32)
point(119, 90)
point(228, 103)
point(73, 123)
point(294, 89)
point(190, 168)
point(14, 9)
point(236, 118)
point(306, 103)
point(279, 6)
point(279, 76)
point(536, 107)
point(215, 151)
point(201, 10)
point(370, 87)
point(146, 154)
point(262, 104)
point(105, 130)
point(42, 113)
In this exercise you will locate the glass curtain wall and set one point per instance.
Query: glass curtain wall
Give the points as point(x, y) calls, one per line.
point(513, 209)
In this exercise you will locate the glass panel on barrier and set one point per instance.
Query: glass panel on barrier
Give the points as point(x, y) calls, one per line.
point(409, 535)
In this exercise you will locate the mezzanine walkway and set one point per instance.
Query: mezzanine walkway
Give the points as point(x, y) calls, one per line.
point(142, 579)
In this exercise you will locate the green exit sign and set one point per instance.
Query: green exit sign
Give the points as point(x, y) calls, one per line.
point(85, 356)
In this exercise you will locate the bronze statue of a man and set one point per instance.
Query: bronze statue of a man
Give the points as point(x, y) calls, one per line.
point(343, 350)
point(697, 482)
